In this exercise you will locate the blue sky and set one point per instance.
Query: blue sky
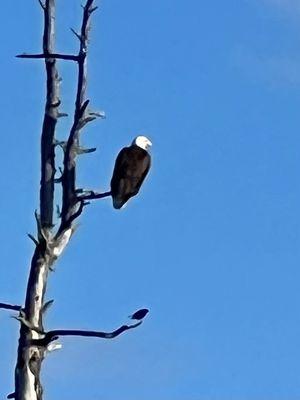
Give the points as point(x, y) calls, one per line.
point(211, 244)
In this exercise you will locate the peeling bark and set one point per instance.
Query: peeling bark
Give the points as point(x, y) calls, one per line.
point(34, 342)
point(48, 246)
point(29, 358)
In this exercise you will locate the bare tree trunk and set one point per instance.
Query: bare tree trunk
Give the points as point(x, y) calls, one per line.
point(27, 372)
point(33, 340)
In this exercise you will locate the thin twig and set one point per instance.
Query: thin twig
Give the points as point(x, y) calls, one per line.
point(36, 242)
point(47, 305)
point(77, 212)
point(42, 4)
point(94, 196)
point(76, 34)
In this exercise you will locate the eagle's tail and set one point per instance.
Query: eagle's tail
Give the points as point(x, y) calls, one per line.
point(118, 203)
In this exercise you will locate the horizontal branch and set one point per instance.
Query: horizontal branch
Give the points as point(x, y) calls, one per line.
point(10, 307)
point(94, 196)
point(70, 57)
point(55, 334)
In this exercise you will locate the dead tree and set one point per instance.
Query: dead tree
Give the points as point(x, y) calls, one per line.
point(50, 241)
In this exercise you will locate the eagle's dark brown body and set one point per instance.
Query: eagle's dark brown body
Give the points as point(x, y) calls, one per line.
point(131, 168)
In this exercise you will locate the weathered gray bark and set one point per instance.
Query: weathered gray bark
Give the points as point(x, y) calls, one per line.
point(49, 244)
point(29, 359)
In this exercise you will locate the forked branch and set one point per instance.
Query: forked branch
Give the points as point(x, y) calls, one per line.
point(72, 206)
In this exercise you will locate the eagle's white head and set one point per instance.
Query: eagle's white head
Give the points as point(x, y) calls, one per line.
point(143, 142)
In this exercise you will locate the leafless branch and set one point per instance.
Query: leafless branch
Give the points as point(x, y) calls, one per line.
point(49, 246)
point(29, 360)
point(36, 242)
point(62, 114)
point(55, 334)
point(42, 4)
point(10, 307)
point(76, 34)
point(70, 210)
point(50, 119)
point(94, 196)
point(47, 305)
point(67, 57)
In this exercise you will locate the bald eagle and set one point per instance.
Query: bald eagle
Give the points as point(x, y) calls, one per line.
point(131, 167)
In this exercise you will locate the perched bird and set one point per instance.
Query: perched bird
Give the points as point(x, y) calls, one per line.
point(131, 167)
point(140, 314)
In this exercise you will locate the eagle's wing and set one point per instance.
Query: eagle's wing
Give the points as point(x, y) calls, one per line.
point(131, 168)
point(121, 165)
point(118, 181)
point(146, 167)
